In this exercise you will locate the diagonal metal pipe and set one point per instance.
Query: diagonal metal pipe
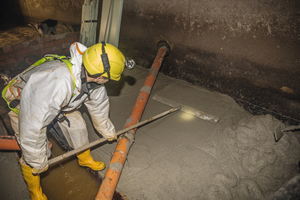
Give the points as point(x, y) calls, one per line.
point(118, 159)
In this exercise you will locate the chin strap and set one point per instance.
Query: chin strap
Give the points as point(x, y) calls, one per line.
point(85, 86)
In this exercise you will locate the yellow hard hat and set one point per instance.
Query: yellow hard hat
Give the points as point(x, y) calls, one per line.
point(104, 59)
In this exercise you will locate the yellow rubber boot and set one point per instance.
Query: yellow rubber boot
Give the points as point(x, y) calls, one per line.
point(33, 183)
point(85, 160)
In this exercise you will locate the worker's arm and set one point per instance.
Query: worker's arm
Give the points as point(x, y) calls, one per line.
point(46, 92)
point(98, 107)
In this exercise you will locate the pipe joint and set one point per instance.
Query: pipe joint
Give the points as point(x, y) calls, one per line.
point(129, 135)
point(164, 44)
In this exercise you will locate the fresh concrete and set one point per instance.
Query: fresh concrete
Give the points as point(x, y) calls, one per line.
point(184, 157)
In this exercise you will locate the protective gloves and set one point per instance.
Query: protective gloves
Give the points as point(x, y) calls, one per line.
point(112, 139)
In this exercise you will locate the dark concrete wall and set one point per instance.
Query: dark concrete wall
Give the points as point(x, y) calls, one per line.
point(66, 11)
point(10, 14)
point(246, 48)
point(264, 33)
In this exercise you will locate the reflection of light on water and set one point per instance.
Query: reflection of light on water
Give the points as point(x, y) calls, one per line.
point(68, 180)
point(186, 116)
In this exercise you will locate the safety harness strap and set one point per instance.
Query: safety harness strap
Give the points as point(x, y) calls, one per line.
point(46, 58)
point(53, 127)
point(57, 133)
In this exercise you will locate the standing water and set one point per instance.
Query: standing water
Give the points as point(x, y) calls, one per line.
point(67, 180)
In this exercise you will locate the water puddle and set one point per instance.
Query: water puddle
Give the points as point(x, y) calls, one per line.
point(68, 180)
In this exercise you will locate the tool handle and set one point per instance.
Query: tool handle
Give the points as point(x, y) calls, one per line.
point(101, 140)
point(290, 128)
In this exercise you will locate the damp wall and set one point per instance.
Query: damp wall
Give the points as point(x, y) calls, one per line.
point(248, 49)
point(66, 11)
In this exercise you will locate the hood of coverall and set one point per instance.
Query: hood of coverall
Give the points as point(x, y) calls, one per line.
point(77, 49)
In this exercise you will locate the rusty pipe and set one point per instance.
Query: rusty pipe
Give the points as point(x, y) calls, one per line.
point(113, 172)
point(8, 143)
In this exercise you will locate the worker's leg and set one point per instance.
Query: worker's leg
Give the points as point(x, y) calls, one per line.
point(77, 136)
point(14, 121)
point(32, 181)
point(35, 148)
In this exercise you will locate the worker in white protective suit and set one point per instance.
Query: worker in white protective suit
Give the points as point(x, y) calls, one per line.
point(53, 90)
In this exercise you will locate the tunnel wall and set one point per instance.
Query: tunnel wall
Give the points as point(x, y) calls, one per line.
point(66, 11)
point(8, 9)
point(230, 38)
point(248, 49)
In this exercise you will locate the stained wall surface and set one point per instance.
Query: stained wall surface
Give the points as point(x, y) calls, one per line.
point(66, 11)
point(248, 49)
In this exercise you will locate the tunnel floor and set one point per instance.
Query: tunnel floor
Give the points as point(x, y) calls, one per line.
point(180, 156)
point(183, 157)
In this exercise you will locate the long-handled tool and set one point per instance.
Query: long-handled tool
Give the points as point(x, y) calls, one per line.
point(99, 141)
point(282, 129)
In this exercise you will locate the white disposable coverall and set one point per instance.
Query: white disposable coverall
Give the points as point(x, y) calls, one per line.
point(47, 92)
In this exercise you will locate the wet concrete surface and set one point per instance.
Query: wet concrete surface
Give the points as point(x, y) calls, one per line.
point(183, 157)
